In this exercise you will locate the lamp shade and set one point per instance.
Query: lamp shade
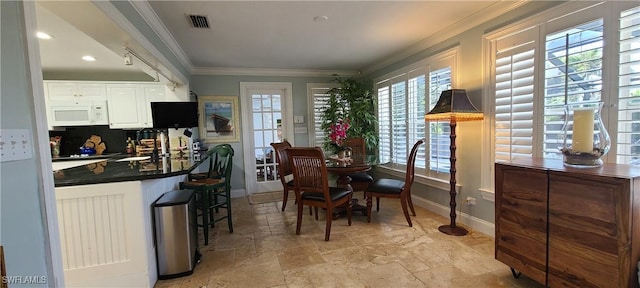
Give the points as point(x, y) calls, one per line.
point(454, 104)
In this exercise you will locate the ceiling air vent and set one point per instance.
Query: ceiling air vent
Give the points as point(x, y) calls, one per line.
point(199, 21)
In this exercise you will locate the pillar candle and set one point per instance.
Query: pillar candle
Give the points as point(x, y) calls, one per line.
point(583, 130)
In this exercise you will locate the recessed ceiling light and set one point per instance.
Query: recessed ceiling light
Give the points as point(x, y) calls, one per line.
point(88, 58)
point(43, 35)
point(320, 18)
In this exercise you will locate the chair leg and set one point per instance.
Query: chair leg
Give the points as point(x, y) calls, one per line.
point(213, 211)
point(316, 209)
point(413, 211)
point(403, 202)
point(284, 199)
point(299, 219)
point(229, 218)
point(329, 217)
point(310, 211)
point(349, 206)
point(377, 203)
point(205, 215)
point(369, 206)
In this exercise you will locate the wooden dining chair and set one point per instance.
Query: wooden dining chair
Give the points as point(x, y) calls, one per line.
point(311, 183)
point(393, 188)
point(359, 181)
point(284, 170)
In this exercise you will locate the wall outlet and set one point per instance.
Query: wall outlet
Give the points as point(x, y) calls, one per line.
point(15, 144)
point(471, 201)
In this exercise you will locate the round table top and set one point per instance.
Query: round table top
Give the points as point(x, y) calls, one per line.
point(347, 168)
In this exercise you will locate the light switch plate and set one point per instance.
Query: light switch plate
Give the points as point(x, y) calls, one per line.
point(15, 144)
point(298, 119)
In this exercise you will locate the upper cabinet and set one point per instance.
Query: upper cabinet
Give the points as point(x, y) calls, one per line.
point(130, 103)
point(76, 90)
point(75, 103)
point(121, 105)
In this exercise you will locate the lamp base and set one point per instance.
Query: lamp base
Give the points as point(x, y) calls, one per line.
point(453, 231)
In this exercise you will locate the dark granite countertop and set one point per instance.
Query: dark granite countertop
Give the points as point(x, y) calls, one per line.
point(115, 170)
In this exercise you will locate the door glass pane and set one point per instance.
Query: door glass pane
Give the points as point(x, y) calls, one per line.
point(267, 111)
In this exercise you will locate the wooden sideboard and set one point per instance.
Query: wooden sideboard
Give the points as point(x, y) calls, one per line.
point(569, 227)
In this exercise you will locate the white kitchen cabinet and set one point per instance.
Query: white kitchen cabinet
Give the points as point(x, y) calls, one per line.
point(63, 90)
point(130, 104)
point(75, 103)
point(152, 93)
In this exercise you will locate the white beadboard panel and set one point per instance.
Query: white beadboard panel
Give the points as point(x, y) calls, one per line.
point(93, 229)
point(101, 227)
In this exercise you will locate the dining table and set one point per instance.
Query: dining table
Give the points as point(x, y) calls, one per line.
point(342, 168)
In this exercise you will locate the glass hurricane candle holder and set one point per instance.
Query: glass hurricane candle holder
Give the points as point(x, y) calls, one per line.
point(584, 138)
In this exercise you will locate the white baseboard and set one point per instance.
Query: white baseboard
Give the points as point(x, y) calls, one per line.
point(475, 223)
point(238, 193)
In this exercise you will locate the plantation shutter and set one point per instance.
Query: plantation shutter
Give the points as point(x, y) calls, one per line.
point(439, 132)
point(320, 100)
point(384, 124)
point(417, 86)
point(628, 148)
point(399, 122)
point(514, 109)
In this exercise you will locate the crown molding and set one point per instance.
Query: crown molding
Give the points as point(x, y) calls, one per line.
point(149, 15)
point(475, 19)
point(272, 72)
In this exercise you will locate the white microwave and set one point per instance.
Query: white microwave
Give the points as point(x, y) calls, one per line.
point(78, 113)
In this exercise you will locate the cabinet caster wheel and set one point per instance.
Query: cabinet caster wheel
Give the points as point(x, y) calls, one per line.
point(514, 273)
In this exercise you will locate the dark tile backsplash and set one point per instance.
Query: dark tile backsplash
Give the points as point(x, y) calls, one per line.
point(74, 137)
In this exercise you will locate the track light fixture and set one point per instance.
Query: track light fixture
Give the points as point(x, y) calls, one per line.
point(129, 61)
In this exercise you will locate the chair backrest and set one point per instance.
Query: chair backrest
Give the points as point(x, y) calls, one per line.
point(358, 148)
point(282, 159)
point(411, 164)
point(309, 170)
point(221, 162)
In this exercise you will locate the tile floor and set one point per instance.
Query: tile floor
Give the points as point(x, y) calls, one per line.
point(264, 251)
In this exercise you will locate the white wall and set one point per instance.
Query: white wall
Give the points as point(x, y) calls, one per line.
point(22, 219)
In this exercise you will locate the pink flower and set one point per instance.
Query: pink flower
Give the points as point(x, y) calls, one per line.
point(339, 131)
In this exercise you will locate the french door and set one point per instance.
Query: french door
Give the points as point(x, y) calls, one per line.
point(266, 118)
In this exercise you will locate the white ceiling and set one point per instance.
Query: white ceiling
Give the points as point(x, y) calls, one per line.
point(270, 34)
point(65, 50)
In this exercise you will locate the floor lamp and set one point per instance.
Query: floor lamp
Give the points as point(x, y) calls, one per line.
point(455, 106)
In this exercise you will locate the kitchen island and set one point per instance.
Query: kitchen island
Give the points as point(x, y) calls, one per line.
point(105, 210)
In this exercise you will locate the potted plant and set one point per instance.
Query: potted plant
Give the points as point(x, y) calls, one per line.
point(352, 102)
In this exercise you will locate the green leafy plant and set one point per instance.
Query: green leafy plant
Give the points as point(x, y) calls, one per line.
point(352, 101)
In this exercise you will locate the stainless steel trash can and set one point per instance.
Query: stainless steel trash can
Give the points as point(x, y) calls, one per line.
point(176, 234)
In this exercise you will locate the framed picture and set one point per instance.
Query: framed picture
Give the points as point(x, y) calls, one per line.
point(219, 119)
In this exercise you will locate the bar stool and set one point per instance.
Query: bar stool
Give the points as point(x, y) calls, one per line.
point(209, 190)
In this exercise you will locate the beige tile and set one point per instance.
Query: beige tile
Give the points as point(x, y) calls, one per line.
point(298, 258)
point(264, 251)
point(389, 275)
point(440, 276)
point(261, 275)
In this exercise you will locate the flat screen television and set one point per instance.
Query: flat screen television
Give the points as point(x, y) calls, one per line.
point(174, 114)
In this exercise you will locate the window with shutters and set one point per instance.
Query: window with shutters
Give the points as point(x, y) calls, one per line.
point(404, 97)
point(541, 64)
point(628, 141)
point(317, 94)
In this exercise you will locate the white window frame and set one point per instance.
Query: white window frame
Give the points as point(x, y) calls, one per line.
point(549, 22)
point(438, 179)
